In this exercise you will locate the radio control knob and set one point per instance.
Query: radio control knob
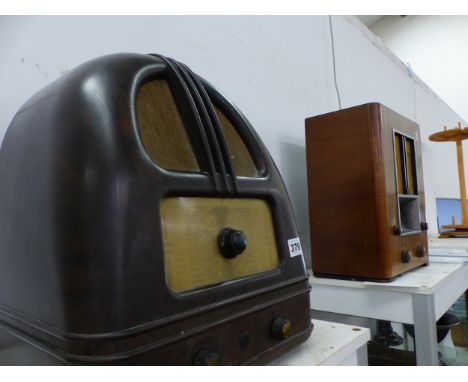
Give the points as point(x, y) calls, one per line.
point(207, 357)
point(406, 256)
point(424, 226)
point(231, 242)
point(421, 251)
point(244, 339)
point(396, 230)
point(280, 328)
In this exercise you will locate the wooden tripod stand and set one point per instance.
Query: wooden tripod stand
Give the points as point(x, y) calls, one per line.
point(456, 135)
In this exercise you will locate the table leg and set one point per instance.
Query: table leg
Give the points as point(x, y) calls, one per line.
point(362, 358)
point(425, 331)
point(466, 305)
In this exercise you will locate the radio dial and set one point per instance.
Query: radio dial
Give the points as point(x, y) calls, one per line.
point(281, 328)
point(421, 251)
point(406, 256)
point(231, 242)
point(207, 357)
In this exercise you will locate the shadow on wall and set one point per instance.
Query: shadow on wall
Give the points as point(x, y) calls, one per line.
point(294, 173)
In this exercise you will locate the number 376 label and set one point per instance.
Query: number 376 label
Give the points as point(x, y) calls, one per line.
point(295, 248)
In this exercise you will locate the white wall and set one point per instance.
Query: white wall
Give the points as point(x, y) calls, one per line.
point(436, 47)
point(277, 70)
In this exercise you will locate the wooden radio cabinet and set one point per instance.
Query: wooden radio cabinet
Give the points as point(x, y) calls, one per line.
point(366, 193)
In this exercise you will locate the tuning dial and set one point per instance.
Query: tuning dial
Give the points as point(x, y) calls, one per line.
point(421, 251)
point(231, 242)
point(281, 328)
point(207, 357)
point(424, 226)
point(406, 256)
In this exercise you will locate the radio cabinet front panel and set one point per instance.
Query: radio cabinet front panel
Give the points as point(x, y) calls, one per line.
point(405, 202)
point(191, 227)
point(366, 194)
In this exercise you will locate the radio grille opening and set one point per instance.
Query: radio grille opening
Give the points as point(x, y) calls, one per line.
point(161, 128)
point(240, 156)
point(407, 188)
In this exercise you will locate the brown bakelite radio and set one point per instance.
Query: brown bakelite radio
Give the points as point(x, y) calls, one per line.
point(142, 221)
point(366, 195)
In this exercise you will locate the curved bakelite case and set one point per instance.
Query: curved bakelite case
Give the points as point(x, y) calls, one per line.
point(116, 181)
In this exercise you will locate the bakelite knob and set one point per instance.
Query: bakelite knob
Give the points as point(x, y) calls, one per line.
point(421, 251)
point(207, 357)
point(244, 339)
point(424, 226)
point(231, 242)
point(406, 256)
point(280, 328)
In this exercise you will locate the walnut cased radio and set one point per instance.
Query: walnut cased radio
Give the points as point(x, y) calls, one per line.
point(143, 221)
point(366, 193)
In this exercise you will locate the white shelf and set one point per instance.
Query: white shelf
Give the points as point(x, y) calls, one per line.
point(448, 250)
point(330, 344)
point(423, 280)
point(419, 297)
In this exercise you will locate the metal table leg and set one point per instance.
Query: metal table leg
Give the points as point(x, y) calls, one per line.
point(425, 331)
point(466, 305)
point(362, 358)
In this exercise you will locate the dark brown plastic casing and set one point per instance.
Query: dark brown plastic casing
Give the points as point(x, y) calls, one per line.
point(82, 273)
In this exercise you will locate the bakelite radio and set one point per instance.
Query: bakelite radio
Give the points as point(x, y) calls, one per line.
point(366, 195)
point(142, 221)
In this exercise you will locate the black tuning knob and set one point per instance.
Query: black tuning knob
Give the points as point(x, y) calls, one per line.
point(231, 242)
point(207, 357)
point(424, 226)
point(280, 328)
point(406, 256)
point(421, 251)
point(244, 339)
